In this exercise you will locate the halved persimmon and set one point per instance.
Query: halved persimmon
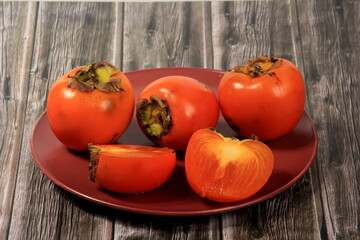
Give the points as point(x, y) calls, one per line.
point(130, 168)
point(226, 169)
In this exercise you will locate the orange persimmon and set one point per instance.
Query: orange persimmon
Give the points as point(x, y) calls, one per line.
point(130, 168)
point(265, 98)
point(172, 108)
point(90, 104)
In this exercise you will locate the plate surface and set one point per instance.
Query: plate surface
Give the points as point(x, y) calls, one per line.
point(294, 153)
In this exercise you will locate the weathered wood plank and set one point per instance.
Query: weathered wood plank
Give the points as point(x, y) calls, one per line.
point(166, 35)
point(329, 51)
point(251, 29)
point(16, 38)
point(133, 226)
point(244, 30)
point(67, 35)
point(282, 217)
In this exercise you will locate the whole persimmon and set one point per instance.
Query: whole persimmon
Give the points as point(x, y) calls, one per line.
point(90, 104)
point(265, 98)
point(170, 109)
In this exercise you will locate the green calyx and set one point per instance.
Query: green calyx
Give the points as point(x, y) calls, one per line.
point(154, 116)
point(97, 75)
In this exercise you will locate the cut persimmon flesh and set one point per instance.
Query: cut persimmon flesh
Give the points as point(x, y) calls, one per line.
point(226, 169)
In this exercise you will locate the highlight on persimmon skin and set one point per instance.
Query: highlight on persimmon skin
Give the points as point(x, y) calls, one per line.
point(226, 169)
point(130, 168)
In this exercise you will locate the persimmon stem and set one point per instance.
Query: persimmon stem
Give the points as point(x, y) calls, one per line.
point(258, 66)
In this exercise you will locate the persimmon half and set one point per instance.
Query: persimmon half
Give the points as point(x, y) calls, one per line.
point(130, 168)
point(226, 169)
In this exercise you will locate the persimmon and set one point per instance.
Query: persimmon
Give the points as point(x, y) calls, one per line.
point(266, 98)
point(172, 108)
point(226, 169)
point(90, 104)
point(130, 168)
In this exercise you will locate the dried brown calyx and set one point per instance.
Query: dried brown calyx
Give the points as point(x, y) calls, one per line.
point(154, 116)
point(97, 75)
point(259, 66)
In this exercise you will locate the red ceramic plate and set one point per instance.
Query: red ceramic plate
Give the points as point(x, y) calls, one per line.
point(294, 153)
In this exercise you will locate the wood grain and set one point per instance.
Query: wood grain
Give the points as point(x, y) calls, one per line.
point(329, 47)
point(133, 226)
point(16, 37)
point(165, 35)
point(244, 30)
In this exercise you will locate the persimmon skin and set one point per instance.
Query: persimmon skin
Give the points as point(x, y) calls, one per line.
point(78, 118)
point(268, 106)
point(226, 170)
point(133, 169)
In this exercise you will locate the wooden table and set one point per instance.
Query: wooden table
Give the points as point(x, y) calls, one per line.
point(40, 41)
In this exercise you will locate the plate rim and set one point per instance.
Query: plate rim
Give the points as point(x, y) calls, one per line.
point(181, 212)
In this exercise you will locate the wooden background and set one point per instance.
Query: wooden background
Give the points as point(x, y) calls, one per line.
point(40, 41)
